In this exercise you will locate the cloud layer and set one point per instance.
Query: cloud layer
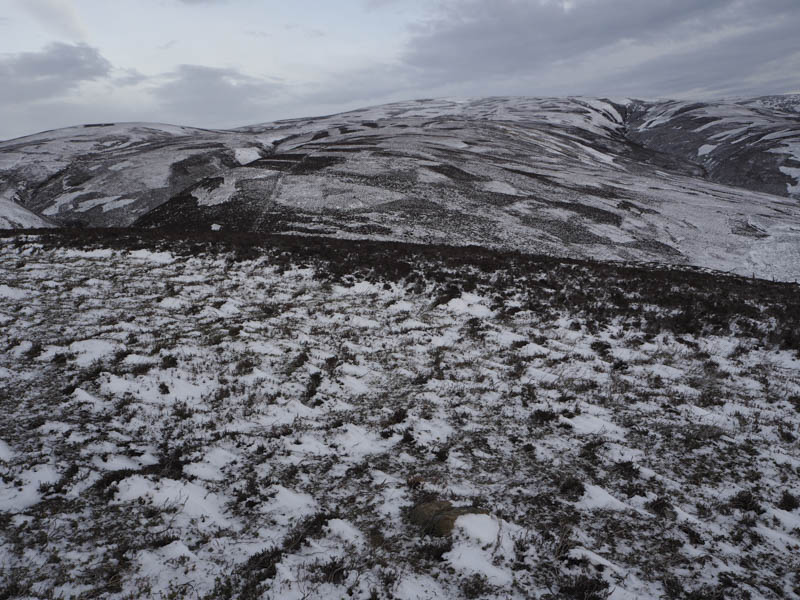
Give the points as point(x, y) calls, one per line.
point(58, 16)
point(213, 94)
point(454, 47)
point(591, 46)
point(55, 71)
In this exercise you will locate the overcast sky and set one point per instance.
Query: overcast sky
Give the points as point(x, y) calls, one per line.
point(225, 63)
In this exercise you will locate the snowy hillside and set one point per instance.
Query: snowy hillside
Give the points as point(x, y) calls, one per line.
point(105, 174)
point(786, 102)
point(14, 216)
point(712, 185)
point(220, 417)
point(750, 144)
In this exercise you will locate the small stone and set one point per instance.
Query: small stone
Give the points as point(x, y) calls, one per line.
point(439, 516)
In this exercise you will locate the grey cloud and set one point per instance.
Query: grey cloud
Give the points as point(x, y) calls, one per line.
point(503, 40)
point(638, 48)
point(306, 31)
point(528, 47)
point(379, 4)
point(368, 85)
point(214, 96)
point(128, 77)
point(37, 86)
point(749, 64)
point(191, 95)
point(57, 16)
point(57, 69)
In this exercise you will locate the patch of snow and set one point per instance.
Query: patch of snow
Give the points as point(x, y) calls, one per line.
point(345, 531)
point(89, 351)
point(206, 196)
point(287, 504)
point(115, 204)
point(6, 453)
point(18, 498)
point(469, 304)
point(161, 258)
point(14, 216)
point(597, 155)
point(173, 303)
point(88, 254)
point(413, 586)
point(500, 187)
point(85, 205)
point(245, 156)
point(597, 498)
point(363, 322)
point(589, 424)
point(794, 173)
point(12, 293)
point(121, 166)
point(483, 528)
point(62, 201)
point(476, 538)
point(196, 502)
point(706, 149)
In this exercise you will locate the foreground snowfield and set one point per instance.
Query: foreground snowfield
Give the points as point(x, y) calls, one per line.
point(194, 420)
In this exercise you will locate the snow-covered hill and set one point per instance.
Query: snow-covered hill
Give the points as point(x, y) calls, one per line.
point(15, 216)
point(749, 144)
point(786, 102)
point(710, 184)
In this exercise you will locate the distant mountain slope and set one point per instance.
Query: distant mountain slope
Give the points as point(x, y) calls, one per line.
point(715, 185)
point(107, 174)
point(787, 102)
point(14, 216)
point(751, 144)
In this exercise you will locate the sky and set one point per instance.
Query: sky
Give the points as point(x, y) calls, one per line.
point(229, 63)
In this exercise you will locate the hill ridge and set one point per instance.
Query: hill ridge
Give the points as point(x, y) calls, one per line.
point(707, 183)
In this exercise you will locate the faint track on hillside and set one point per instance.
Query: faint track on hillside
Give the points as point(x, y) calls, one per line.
point(274, 193)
